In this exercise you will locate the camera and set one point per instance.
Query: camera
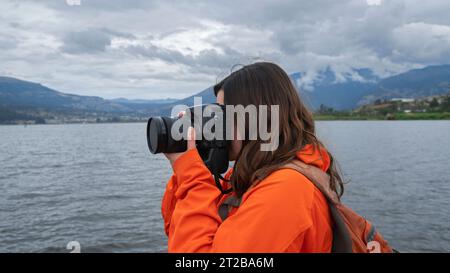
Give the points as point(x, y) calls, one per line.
point(169, 135)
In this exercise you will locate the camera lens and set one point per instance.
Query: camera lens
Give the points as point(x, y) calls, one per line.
point(160, 130)
point(156, 135)
point(159, 138)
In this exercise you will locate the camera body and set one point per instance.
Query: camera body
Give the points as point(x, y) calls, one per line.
point(169, 135)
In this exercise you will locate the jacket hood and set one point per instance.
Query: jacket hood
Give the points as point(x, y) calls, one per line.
point(316, 156)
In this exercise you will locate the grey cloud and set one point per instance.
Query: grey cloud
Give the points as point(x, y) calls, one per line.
point(117, 33)
point(205, 61)
point(14, 25)
point(152, 51)
point(8, 42)
point(88, 41)
point(422, 43)
point(301, 35)
point(100, 5)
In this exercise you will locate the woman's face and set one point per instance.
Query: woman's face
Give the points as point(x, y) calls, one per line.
point(236, 145)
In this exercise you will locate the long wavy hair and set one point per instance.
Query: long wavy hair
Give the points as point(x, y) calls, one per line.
point(266, 83)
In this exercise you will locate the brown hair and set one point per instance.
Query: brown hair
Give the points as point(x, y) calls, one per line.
point(265, 83)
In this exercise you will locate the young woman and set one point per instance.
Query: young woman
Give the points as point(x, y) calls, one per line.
point(280, 209)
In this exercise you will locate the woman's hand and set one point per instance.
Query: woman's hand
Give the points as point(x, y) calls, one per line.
point(172, 157)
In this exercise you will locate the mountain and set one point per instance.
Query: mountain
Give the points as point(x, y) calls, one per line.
point(27, 101)
point(358, 88)
point(139, 101)
point(327, 90)
point(340, 94)
point(416, 83)
point(207, 96)
point(23, 100)
point(15, 93)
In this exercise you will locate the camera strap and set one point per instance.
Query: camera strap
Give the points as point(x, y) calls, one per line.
point(219, 185)
point(217, 163)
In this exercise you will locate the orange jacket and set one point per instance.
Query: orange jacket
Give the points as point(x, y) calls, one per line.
point(285, 212)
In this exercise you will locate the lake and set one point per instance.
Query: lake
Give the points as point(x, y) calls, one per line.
point(99, 185)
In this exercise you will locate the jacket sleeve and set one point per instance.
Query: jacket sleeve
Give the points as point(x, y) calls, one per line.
point(168, 202)
point(272, 214)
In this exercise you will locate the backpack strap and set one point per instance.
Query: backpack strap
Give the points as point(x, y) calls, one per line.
point(341, 238)
point(371, 235)
point(318, 177)
point(230, 202)
point(342, 242)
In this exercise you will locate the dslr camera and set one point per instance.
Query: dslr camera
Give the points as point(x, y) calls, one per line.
point(169, 135)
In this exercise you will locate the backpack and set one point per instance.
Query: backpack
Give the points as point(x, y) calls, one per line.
point(352, 233)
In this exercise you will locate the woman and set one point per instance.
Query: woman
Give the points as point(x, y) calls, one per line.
point(280, 209)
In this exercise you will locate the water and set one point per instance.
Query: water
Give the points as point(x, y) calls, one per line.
point(97, 184)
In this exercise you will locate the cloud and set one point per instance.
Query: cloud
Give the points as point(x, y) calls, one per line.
point(91, 40)
point(374, 2)
point(88, 41)
point(421, 42)
point(154, 49)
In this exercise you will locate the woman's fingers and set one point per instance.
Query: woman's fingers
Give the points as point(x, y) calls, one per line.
point(191, 138)
point(190, 134)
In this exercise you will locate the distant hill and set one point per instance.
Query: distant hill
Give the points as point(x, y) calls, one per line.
point(326, 90)
point(15, 93)
point(361, 88)
point(139, 101)
point(416, 83)
point(338, 94)
point(21, 100)
point(429, 104)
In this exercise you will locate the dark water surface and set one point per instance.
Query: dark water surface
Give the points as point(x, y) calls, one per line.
point(97, 184)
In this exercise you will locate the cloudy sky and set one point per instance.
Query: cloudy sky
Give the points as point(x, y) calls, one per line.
point(159, 49)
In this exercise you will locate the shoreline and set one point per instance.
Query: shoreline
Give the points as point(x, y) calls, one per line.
point(316, 118)
point(390, 116)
